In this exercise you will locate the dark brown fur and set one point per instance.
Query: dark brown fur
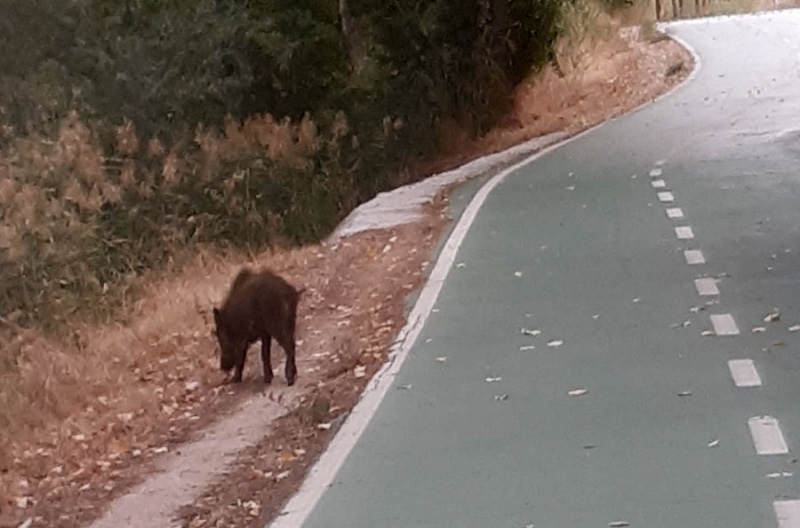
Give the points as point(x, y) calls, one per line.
point(260, 305)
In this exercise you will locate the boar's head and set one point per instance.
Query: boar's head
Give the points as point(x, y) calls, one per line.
point(231, 348)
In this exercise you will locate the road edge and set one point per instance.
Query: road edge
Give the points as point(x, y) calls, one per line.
point(322, 474)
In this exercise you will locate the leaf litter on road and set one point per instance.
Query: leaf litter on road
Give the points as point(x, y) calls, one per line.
point(493, 379)
point(714, 443)
point(555, 343)
point(780, 474)
point(578, 392)
point(772, 317)
point(533, 333)
point(794, 328)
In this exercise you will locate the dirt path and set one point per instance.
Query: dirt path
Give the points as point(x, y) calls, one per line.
point(231, 456)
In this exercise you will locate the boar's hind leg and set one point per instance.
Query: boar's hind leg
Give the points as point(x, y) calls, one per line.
point(266, 360)
point(287, 344)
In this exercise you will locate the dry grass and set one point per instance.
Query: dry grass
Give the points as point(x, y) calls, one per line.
point(78, 408)
point(78, 227)
point(610, 76)
point(134, 390)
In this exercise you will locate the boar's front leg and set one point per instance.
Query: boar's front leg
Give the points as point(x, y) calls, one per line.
point(239, 367)
point(266, 360)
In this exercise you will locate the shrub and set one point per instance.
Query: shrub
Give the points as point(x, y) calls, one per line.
point(136, 130)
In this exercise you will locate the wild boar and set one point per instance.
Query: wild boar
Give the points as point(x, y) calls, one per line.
point(260, 305)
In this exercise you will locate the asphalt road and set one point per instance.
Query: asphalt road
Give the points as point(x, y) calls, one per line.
point(628, 406)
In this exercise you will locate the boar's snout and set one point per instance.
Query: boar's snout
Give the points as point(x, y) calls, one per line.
point(227, 358)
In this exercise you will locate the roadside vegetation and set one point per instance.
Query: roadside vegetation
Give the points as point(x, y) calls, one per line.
point(136, 135)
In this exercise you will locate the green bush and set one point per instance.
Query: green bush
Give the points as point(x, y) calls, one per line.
point(136, 130)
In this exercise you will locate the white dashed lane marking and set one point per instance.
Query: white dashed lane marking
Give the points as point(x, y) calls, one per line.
point(767, 435)
point(724, 325)
point(788, 513)
point(706, 286)
point(694, 256)
point(666, 197)
point(744, 373)
point(674, 212)
point(684, 232)
point(658, 184)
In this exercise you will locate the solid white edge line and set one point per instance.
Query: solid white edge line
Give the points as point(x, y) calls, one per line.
point(787, 513)
point(323, 472)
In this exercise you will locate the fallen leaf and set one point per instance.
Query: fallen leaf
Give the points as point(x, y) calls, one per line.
point(501, 397)
point(324, 426)
point(794, 328)
point(360, 371)
point(780, 474)
point(22, 502)
point(160, 450)
point(685, 393)
point(759, 329)
point(778, 344)
point(577, 392)
point(772, 317)
point(555, 343)
point(404, 387)
point(636, 300)
point(282, 475)
point(26, 524)
point(714, 443)
point(527, 347)
point(571, 188)
point(441, 359)
point(492, 380)
point(619, 524)
point(706, 333)
point(518, 274)
point(533, 333)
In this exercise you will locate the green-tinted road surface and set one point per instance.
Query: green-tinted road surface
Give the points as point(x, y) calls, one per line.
point(482, 430)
